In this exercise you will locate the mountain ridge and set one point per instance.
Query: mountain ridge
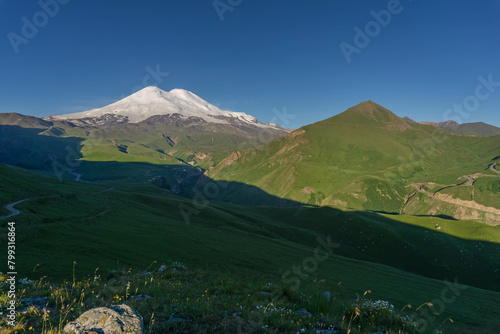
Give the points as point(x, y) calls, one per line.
point(467, 129)
point(153, 101)
point(367, 158)
point(166, 127)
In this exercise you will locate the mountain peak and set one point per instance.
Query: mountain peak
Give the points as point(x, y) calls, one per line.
point(409, 120)
point(151, 91)
point(180, 91)
point(153, 101)
point(369, 104)
point(445, 124)
point(369, 113)
point(150, 88)
point(154, 91)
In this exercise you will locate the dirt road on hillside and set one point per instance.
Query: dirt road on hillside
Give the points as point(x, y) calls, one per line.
point(13, 211)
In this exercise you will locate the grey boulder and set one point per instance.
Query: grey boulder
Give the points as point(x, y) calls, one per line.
point(115, 319)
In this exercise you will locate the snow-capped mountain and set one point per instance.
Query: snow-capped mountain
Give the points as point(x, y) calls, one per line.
point(153, 101)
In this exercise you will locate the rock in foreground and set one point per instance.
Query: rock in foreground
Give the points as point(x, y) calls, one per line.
point(107, 320)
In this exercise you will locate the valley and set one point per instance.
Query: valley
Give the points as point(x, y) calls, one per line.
point(409, 207)
point(249, 167)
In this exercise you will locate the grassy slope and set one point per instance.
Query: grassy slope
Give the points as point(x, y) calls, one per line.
point(116, 224)
point(135, 224)
point(32, 143)
point(197, 143)
point(362, 158)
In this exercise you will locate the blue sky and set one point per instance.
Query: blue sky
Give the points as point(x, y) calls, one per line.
point(263, 56)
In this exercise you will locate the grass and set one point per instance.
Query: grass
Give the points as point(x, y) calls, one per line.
point(99, 227)
point(330, 163)
point(121, 221)
point(208, 301)
point(150, 215)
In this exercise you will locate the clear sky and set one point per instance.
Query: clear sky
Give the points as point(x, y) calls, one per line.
point(264, 55)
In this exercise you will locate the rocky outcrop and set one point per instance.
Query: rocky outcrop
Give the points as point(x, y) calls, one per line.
point(107, 320)
point(104, 120)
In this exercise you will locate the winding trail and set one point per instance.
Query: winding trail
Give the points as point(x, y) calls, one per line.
point(493, 167)
point(469, 181)
point(13, 211)
point(458, 202)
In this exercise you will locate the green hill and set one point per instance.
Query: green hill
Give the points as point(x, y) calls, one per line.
point(55, 146)
point(365, 158)
point(389, 194)
point(108, 224)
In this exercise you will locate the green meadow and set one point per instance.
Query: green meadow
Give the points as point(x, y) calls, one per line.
point(235, 239)
point(129, 224)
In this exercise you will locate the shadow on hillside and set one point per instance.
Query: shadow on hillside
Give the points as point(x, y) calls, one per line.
point(182, 180)
point(25, 147)
point(439, 216)
point(366, 236)
point(32, 148)
point(397, 214)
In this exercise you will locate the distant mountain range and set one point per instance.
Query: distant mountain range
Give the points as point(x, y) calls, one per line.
point(153, 101)
point(163, 176)
point(467, 129)
point(366, 158)
point(152, 126)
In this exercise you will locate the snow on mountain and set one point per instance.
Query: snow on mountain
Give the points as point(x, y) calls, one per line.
point(152, 101)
